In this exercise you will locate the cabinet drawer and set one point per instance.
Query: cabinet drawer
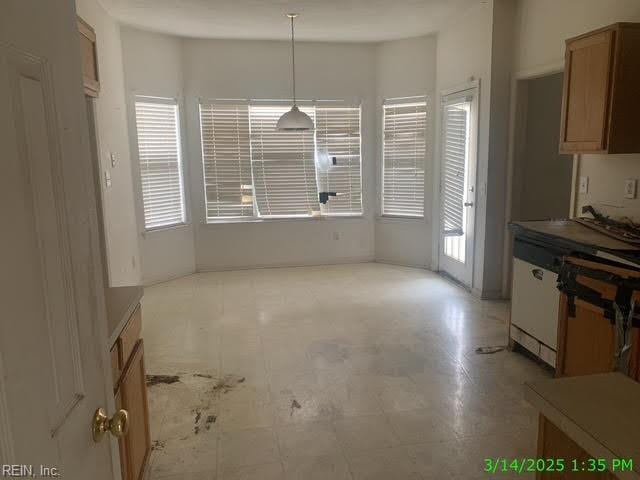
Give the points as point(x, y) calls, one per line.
point(129, 336)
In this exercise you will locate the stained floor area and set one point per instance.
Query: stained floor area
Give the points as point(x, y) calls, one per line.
point(356, 372)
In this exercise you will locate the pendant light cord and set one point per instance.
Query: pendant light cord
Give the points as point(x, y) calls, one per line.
point(293, 61)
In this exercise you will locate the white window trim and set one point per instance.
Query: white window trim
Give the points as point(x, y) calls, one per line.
point(393, 218)
point(355, 102)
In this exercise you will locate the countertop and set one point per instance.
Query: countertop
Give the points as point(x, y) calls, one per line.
point(578, 237)
point(599, 412)
point(121, 302)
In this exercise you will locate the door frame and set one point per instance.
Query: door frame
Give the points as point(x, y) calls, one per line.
point(515, 132)
point(473, 84)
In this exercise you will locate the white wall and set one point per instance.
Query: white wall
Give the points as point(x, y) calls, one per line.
point(250, 69)
point(406, 68)
point(542, 183)
point(119, 214)
point(153, 66)
point(543, 26)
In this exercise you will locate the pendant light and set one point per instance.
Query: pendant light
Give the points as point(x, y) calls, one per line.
point(294, 120)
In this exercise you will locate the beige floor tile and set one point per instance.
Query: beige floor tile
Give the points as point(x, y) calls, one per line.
point(422, 426)
point(269, 471)
point(358, 434)
point(307, 440)
point(326, 467)
point(182, 456)
point(391, 463)
point(246, 448)
point(384, 355)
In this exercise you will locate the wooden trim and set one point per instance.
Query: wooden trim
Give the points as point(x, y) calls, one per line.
point(620, 271)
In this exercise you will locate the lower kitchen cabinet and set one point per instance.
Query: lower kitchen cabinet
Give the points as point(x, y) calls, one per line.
point(554, 444)
point(134, 400)
point(130, 392)
point(587, 335)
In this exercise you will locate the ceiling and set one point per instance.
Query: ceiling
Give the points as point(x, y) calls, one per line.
point(320, 20)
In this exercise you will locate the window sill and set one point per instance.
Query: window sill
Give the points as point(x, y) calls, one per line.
point(165, 228)
point(278, 220)
point(399, 218)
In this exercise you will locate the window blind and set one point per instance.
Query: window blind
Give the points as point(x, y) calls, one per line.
point(226, 159)
point(455, 152)
point(160, 161)
point(283, 165)
point(338, 139)
point(404, 146)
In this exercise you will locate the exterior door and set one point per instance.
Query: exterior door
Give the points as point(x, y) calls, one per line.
point(457, 184)
point(52, 329)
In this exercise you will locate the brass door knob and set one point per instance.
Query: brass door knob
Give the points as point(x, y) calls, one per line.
point(118, 425)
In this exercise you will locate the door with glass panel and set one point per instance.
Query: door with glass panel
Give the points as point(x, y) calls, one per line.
point(457, 184)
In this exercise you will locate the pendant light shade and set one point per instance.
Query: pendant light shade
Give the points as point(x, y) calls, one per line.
point(294, 120)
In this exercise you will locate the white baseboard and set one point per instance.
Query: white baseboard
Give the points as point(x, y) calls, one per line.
point(173, 276)
point(487, 294)
point(230, 268)
point(401, 264)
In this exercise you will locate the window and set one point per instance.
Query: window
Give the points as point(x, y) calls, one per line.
point(252, 170)
point(339, 169)
point(283, 165)
point(226, 160)
point(403, 158)
point(160, 161)
point(455, 173)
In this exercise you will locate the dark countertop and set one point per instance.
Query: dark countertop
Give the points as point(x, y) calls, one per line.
point(121, 302)
point(576, 237)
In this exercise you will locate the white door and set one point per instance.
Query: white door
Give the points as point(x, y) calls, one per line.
point(457, 184)
point(52, 329)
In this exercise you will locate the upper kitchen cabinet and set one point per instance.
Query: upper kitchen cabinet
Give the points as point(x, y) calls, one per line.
point(601, 97)
point(90, 79)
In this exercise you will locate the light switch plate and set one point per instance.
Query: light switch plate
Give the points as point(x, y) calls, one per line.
point(107, 179)
point(584, 185)
point(114, 159)
point(630, 186)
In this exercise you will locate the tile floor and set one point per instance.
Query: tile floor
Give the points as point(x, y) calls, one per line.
point(351, 372)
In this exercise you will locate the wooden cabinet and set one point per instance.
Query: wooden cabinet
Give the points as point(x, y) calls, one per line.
point(89, 52)
point(133, 388)
point(131, 394)
point(601, 100)
point(587, 342)
point(554, 444)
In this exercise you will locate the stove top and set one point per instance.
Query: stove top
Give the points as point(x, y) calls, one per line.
point(625, 232)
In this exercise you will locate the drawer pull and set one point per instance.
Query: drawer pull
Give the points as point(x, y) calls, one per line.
point(536, 272)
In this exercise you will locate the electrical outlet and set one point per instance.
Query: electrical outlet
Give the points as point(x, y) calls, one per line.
point(114, 160)
point(630, 186)
point(584, 185)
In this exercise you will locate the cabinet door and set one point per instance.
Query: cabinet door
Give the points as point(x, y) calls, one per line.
point(586, 99)
point(587, 341)
point(134, 399)
point(554, 443)
point(89, 52)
